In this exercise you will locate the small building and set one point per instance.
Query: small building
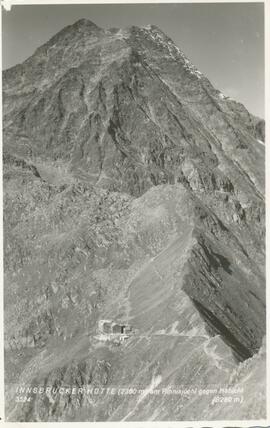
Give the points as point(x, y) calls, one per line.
point(127, 329)
point(106, 327)
point(110, 327)
point(118, 329)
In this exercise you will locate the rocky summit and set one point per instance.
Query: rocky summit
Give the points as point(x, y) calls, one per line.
point(133, 235)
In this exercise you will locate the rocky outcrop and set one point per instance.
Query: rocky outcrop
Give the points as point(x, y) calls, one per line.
point(134, 192)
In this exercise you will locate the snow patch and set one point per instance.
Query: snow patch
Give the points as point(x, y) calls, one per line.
point(211, 352)
point(173, 51)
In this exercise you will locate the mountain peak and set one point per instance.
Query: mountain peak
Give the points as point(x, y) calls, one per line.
point(84, 23)
point(148, 27)
point(153, 27)
point(82, 26)
point(129, 178)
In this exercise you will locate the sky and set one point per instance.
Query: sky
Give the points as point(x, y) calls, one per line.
point(225, 41)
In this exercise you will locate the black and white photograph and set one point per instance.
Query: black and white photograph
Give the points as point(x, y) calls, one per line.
point(133, 173)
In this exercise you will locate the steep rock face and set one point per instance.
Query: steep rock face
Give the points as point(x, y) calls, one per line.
point(134, 191)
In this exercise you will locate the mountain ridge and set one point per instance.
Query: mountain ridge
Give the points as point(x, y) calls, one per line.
point(134, 191)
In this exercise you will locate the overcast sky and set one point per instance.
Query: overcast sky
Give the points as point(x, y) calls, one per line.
point(224, 40)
